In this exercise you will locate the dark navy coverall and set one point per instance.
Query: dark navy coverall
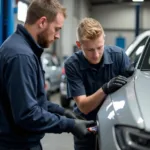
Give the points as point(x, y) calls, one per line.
point(84, 78)
point(25, 113)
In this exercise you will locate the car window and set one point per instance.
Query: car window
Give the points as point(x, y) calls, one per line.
point(134, 56)
point(146, 59)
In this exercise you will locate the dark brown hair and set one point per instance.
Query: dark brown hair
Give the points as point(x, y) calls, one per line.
point(48, 8)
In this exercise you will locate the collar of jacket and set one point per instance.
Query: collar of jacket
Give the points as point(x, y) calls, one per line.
point(84, 64)
point(28, 38)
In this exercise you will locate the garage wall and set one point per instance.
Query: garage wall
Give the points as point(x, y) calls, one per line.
point(145, 17)
point(76, 9)
point(119, 21)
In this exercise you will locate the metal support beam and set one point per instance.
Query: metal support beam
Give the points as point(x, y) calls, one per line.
point(10, 17)
point(1, 21)
point(6, 19)
point(137, 19)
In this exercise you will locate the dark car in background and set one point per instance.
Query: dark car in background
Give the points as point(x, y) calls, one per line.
point(64, 101)
point(63, 92)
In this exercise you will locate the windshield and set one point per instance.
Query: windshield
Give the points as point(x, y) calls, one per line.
point(146, 57)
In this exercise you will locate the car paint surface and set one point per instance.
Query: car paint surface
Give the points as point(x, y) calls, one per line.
point(128, 107)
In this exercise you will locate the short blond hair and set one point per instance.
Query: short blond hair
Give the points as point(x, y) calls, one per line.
point(89, 29)
point(48, 8)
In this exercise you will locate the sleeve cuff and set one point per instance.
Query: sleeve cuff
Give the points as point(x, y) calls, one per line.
point(68, 124)
point(61, 110)
point(78, 92)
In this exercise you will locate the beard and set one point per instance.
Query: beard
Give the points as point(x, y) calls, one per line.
point(42, 39)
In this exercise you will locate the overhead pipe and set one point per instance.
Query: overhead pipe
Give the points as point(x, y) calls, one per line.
point(137, 19)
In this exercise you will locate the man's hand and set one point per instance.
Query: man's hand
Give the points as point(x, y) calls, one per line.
point(80, 128)
point(69, 114)
point(114, 84)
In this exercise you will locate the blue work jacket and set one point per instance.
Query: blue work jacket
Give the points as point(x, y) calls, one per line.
point(25, 112)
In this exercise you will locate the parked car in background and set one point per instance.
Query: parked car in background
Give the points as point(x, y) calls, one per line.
point(63, 89)
point(46, 87)
point(64, 101)
point(52, 73)
point(124, 115)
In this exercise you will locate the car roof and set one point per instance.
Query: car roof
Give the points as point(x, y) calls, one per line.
point(138, 39)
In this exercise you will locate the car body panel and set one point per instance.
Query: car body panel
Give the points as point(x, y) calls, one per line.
point(123, 107)
point(126, 111)
point(106, 119)
point(142, 84)
point(126, 106)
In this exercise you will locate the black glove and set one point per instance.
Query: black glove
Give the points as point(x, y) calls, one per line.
point(114, 84)
point(69, 114)
point(80, 128)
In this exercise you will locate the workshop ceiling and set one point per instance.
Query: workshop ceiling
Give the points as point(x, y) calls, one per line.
point(100, 2)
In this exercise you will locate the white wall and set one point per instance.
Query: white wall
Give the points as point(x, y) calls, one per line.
point(84, 8)
point(119, 20)
point(115, 16)
point(68, 34)
point(145, 16)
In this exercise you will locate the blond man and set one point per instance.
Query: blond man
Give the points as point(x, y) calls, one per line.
point(26, 114)
point(92, 73)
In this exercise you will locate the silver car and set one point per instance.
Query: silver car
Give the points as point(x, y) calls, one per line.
point(123, 119)
point(52, 73)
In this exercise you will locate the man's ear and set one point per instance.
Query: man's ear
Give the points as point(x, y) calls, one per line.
point(78, 44)
point(42, 22)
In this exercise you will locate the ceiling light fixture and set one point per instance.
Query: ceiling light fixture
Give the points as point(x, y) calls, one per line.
point(138, 0)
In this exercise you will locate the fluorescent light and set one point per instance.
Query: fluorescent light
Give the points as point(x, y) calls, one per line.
point(138, 0)
point(22, 11)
